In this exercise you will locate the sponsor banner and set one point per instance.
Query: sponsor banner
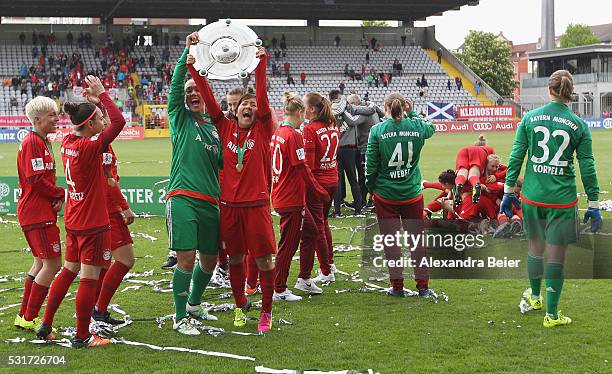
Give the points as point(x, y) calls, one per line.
point(128, 133)
point(22, 121)
point(144, 194)
point(472, 126)
point(475, 112)
point(599, 123)
point(13, 135)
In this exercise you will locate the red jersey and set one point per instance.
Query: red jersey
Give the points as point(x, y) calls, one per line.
point(287, 149)
point(86, 181)
point(36, 170)
point(115, 201)
point(251, 185)
point(320, 145)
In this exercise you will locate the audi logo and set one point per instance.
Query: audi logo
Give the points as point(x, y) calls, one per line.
point(441, 127)
point(482, 126)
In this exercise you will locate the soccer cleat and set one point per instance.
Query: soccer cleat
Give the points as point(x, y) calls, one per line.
point(329, 278)
point(536, 304)
point(199, 312)
point(476, 192)
point(395, 293)
point(265, 322)
point(240, 317)
point(286, 295)
point(105, 317)
point(185, 327)
point(18, 321)
point(170, 263)
point(427, 292)
point(561, 320)
point(308, 286)
point(516, 227)
point(457, 195)
point(28, 325)
point(250, 291)
point(45, 332)
point(89, 342)
point(503, 231)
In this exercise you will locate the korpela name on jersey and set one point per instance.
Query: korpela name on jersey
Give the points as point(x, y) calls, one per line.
point(546, 169)
point(394, 134)
point(561, 120)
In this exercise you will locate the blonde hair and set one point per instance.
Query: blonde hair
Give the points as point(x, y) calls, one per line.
point(39, 106)
point(561, 85)
point(292, 103)
point(481, 140)
point(493, 157)
point(396, 104)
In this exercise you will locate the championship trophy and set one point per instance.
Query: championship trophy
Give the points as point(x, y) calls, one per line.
point(226, 50)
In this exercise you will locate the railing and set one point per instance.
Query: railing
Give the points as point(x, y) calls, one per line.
point(578, 79)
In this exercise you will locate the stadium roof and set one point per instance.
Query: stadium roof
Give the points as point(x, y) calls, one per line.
point(215, 9)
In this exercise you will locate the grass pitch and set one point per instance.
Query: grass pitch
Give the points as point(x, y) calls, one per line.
point(334, 331)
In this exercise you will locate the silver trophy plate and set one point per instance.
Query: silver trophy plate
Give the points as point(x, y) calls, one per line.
point(226, 50)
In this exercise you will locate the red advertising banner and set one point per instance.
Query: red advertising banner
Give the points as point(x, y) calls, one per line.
point(473, 126)
point(128, 133)
point(22, 121)
point(475, 112)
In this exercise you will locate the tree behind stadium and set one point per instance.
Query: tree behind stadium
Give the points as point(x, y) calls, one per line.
point(489, 57)
point(577, 35)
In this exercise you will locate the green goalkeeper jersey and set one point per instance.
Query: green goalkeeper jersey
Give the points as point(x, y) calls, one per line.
point(196, 147)
point(550, 135)
point(392, 157)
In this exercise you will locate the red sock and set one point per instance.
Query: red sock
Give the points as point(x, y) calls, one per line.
point(37, 297)
point(236, 277)
point(460, 179)
point(57, 292)
point(252, 271)
point(85, 300)
point(112, 280)
point(100, 280)
point(398, 284)
point(267, 289)
point(26, 294)
point(501, 218)
point(474, 179)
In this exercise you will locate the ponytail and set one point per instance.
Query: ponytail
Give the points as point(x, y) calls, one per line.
point(561, 85)
point(322, 105)
point(396, 105)
point(482, 141)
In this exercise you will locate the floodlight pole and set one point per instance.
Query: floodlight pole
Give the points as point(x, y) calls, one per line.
point(548, 25)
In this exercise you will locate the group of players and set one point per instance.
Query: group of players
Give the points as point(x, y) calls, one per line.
point(227, 167)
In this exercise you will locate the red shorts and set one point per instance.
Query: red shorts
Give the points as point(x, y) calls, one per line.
point(120, 234)
point(472, 156)
point(247, 230)
point(44, 240)
point(93, 249)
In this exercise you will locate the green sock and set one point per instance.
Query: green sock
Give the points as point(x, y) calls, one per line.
point(199, 281)
point(535, 269)
point(180, 290)
point(554, 285)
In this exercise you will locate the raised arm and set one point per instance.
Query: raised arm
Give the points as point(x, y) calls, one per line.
point(212, 107)
point(261, 89)
point(176, 96)
point(586, 162)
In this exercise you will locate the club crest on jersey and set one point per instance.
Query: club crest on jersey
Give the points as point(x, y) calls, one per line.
point(107, 255)
point(94, 138)
point(56, 247)
point(215, 134)
point(300, 154)
point(38, 164)
point(107, 158)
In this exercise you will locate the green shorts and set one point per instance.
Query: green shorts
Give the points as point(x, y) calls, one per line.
point(557, 226)
point(192, 224)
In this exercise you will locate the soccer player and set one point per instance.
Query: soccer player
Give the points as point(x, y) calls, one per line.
point(247, 220)
point(37, 208)
point(471, 162)
point(120, 216)
point(550, 135)
point(394, 179)
point(290, 177)
point(192, 208)
point(321, 138)
point(86, 218)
